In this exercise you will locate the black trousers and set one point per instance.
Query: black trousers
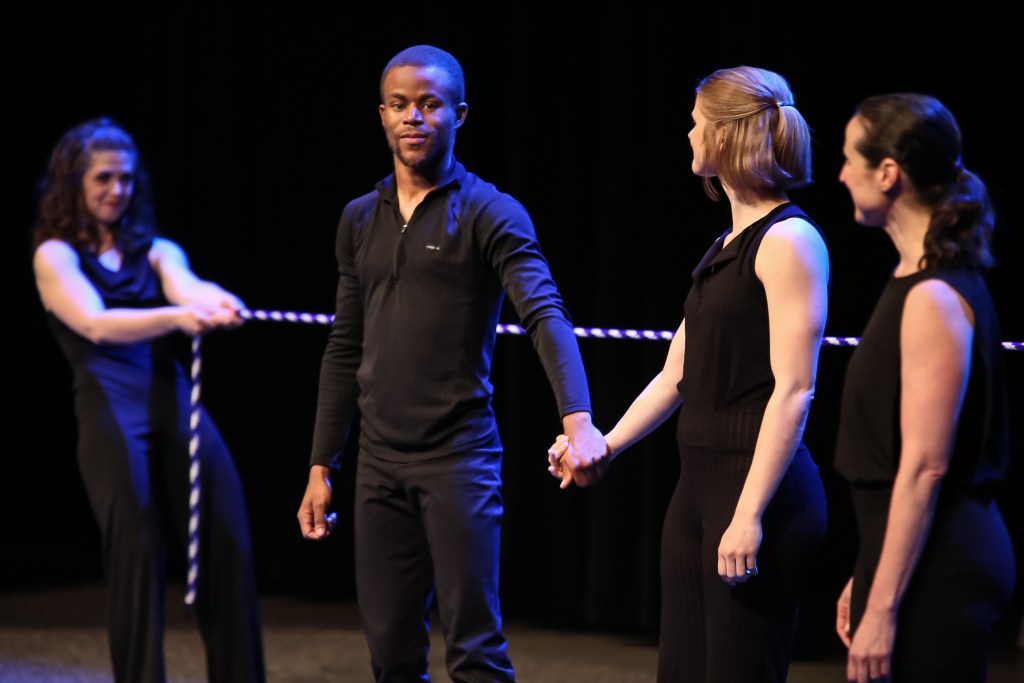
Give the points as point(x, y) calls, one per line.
point(426, 526)
point(960, 588)
point(715, 633)
point(133, 456)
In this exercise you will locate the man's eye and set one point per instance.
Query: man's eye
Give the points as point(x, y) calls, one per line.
point(103, 177)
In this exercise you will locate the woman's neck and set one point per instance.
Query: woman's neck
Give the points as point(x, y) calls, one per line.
point(907, 226)
point(746, 213)
point(106, 238)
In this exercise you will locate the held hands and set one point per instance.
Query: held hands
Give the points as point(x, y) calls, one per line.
point(555, 453)
point(737, 552)
point(313, 523)
point(581, 455)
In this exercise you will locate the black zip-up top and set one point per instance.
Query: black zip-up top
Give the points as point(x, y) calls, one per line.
point(415, 324)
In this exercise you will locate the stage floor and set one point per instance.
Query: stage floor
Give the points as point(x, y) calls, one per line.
point(56, 635)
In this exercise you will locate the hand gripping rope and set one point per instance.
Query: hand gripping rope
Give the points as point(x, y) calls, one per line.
point(325, 319)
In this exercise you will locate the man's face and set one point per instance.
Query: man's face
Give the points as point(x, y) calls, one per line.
point(419, 116)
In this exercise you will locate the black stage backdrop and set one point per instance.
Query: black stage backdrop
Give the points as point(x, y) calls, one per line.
point(257, 125)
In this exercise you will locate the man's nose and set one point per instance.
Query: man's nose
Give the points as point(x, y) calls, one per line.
point(413, 114)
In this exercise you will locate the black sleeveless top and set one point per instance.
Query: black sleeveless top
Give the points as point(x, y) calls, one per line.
point(727, 376)
point(135, 285)
point(869, 441)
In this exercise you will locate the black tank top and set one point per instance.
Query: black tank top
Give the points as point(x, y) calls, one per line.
point(136, 284)
point(727, 376)
point(868, 441)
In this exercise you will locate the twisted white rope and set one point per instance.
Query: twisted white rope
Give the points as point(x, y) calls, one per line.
point(193, 480)
point(595, 332)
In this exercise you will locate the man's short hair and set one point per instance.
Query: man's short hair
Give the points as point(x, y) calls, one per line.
point(428, 55)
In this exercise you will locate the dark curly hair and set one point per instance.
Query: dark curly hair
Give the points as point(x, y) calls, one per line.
point(921, 135)
point(62, 211)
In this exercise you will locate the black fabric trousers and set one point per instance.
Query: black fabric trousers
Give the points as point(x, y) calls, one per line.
point(426, 526)
point(134, 461)
point(715, 633)
point(960, 588)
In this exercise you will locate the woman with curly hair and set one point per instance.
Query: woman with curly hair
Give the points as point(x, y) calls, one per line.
point(117, 299)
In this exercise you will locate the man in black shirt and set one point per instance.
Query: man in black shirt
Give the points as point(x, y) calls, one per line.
point(425, 261)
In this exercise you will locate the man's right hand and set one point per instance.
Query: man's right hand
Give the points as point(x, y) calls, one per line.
point(314, 523)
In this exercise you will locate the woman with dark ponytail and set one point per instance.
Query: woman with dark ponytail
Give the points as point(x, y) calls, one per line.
point(923, 433)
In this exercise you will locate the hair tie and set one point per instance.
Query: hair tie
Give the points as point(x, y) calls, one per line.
point(780, 105)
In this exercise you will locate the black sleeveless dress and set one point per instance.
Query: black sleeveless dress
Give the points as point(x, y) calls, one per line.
point(964, 578)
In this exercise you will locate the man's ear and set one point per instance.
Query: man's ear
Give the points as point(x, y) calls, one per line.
point(461, 109)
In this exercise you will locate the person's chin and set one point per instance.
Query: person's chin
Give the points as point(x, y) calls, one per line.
point(414, 161)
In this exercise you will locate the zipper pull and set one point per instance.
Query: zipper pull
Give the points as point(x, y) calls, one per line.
point(399, 254)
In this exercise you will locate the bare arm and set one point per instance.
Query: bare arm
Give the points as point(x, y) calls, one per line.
point(68, 294)
point(792, 264)
point(651, 408)
point(936, 334)
point(182, 286)
point(655, 403)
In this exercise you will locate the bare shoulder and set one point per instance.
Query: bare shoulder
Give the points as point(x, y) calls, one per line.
point(793, 232)
point(162, 246)
point(54, 254)
point(933, 304)
point(165, 252)
point(793, 241)
point(936, 334)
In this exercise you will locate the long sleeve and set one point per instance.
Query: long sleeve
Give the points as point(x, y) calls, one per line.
point(339, 389)
point(512, 248)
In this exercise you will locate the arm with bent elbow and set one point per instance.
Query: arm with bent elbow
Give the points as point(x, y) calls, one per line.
point(68, 294)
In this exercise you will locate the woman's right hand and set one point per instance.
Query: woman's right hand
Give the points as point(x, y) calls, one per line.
point(555, 454)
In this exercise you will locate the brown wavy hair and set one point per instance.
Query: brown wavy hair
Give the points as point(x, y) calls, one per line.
point(921, 135)
point(62, 212)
